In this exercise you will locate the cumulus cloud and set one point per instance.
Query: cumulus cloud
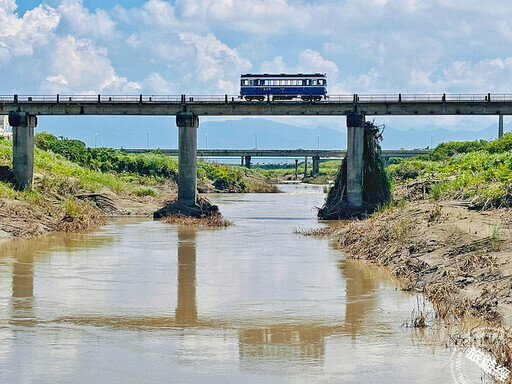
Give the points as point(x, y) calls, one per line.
point(19, 36)
point(155, 83)
point(80, 66)
point(78, 20)
point(276, 65)
point(215, 62)
point(255, 16)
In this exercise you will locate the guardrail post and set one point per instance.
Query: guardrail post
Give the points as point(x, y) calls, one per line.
point(23, 147)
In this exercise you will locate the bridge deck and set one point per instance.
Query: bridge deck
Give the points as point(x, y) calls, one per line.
point(322, 153)
point(372, 104)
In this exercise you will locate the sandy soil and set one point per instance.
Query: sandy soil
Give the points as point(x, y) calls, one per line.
point(459, 258)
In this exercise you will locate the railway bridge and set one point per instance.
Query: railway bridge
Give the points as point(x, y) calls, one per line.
point(23, 111)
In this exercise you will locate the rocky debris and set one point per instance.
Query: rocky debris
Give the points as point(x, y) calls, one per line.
point(101, 201)
point(203, 208)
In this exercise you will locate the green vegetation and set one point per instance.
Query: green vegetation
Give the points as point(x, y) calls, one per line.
point(151, 167)
point(327, 171)
point(479, 171)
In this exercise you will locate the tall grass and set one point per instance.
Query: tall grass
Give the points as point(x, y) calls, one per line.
point(481, 174)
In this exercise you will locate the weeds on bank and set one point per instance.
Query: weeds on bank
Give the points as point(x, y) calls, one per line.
point(479, 171)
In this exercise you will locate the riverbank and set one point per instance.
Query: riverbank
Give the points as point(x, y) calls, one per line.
point(460, 259)
point(76, 188)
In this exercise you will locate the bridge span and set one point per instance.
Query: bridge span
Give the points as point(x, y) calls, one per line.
point(246, 155)
point(23, 111)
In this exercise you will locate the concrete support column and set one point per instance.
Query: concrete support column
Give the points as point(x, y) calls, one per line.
point(500, 127)
point(248, 161)
point(296, 169)
point(306, 166)
point(316, 165)
point(355, 148)
point(242, 161)
point(23, 147)
point(187, 124)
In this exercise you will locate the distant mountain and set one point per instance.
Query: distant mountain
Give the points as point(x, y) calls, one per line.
point(267, 134)
point(161, 132)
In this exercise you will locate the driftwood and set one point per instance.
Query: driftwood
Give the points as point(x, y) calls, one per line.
point(376, 186)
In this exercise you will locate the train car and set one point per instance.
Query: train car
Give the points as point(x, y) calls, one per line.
point(283, 86)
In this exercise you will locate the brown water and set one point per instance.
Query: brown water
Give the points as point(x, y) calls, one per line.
point(141, 301)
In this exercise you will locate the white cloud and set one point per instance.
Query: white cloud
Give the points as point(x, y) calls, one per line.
point(81, 22)
point(312, 61)
point(255, 16)
point(81, 66)
point(276, 65)
point(19, 36)
point(58, 80)
point(156, 84)
point(159, 13)
point(215, 62)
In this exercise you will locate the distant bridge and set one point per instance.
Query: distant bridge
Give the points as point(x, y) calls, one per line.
point(246, 155)
point(23, 111)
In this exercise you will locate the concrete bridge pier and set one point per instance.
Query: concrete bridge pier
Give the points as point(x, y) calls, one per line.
point(248, 161)
point(316, 165)
point(355, 148)
point(23, 147)
point(305, 166)
point(187, 124)
point(500, 127)
point(296, 169)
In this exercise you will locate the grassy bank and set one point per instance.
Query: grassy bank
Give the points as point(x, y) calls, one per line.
point(478, 172)
point(154, 167)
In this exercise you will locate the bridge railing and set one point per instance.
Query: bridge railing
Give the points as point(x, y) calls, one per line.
point(343, 98)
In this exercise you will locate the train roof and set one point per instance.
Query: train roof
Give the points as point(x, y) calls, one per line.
point(283, 75)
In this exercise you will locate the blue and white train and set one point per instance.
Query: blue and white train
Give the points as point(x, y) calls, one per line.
point(283, 86)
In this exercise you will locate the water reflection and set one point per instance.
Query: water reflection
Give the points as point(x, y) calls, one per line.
point(186, 309)
point(360, 300)
point(22, 303)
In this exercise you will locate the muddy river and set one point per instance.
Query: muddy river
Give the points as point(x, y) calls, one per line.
point(141, 301)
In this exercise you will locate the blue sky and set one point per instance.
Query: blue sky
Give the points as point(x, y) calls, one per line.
point(202, 46)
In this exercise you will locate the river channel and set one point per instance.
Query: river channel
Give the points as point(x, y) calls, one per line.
point(143, 301)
